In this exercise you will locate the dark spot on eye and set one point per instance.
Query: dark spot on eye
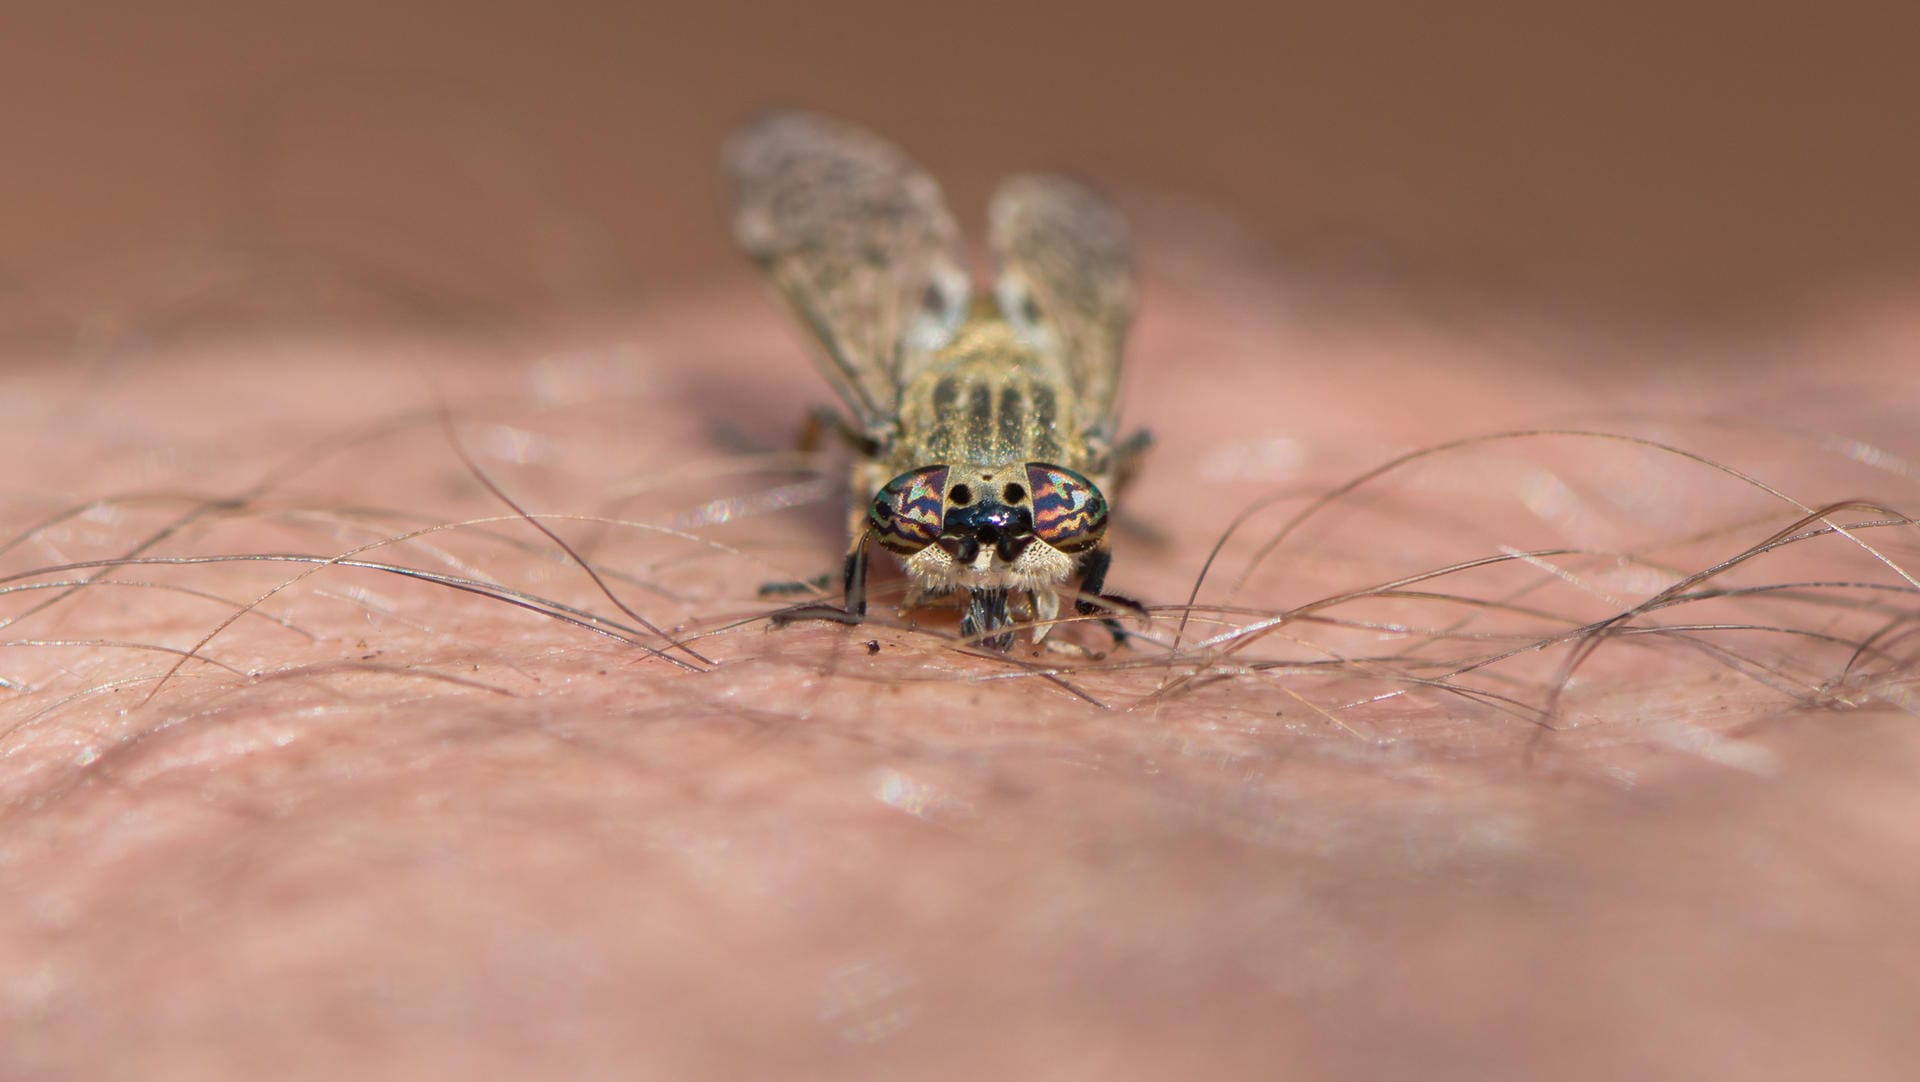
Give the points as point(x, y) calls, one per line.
point(933, 300)
point(1029, 309)
point(882, 510)
point(1013, 493)
point(961, 495)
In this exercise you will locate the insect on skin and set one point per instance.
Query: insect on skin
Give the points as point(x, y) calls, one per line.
point(985, 424)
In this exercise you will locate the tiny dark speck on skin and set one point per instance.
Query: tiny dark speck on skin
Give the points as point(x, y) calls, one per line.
point(873, 646)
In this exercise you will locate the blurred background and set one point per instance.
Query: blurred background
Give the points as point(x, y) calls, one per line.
point(1680, 162)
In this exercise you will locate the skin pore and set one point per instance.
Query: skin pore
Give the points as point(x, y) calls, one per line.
point(380, 822)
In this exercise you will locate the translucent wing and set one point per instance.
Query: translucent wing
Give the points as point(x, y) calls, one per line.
point(1064, 281)
point(859, 241)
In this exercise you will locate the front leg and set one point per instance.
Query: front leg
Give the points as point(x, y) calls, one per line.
point(854, 576)
point(819, 422)
point(1093, 602)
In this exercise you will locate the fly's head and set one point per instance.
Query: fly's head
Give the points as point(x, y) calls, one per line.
point(1020, 526)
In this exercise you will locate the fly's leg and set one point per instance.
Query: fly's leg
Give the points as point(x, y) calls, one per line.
point(856, 577)
point(1124, 462)
point(855, 611)
point(1127, 456)
point(820, 421)
point(1093, 602)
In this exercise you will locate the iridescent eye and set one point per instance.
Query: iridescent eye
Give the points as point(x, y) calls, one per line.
point(906, 514)
point(1068, 511)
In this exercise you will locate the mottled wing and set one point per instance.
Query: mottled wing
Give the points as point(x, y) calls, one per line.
point(1065, 281)
point(860, 242)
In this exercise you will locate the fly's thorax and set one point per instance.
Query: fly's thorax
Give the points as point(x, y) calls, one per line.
point(990, 481)
point(989, 399)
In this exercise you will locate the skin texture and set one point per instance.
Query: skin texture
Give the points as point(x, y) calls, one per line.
point(383, 828)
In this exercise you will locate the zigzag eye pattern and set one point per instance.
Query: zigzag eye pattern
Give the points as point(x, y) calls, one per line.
point(906, 515)
point(1068, 511)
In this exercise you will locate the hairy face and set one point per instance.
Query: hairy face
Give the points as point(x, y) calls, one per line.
point(1499, 709)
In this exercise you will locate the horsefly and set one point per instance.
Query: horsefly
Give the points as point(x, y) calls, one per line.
point(984, 424)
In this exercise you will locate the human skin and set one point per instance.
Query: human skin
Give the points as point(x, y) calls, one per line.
point(378, 827)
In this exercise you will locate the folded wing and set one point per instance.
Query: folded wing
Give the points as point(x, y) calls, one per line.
point(859, 241)
point(1064, 279)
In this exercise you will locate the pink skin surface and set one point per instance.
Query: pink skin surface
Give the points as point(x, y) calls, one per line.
point(380, 827)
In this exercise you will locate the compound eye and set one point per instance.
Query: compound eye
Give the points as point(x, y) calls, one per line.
point(905, 516)
point(1068, 511)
